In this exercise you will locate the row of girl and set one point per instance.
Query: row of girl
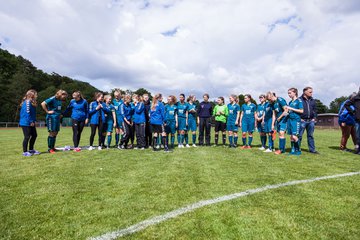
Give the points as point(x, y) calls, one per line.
point(154, 122)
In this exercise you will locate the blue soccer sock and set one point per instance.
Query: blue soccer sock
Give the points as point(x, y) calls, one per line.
point(282, 143)
point(236, 139)
point(186, 136)
point(297, 146)
point(117, 138)
point(194, 138)
point(250, 140)
point(263, 141)
point(244, 141)
point(109, 137)
point(271, 142)
point(172, 140)
point(292, 146)
point(231, 140)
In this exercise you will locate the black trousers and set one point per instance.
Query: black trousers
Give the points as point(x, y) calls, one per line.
point(127, 134)
point(30, 136)
point(100, 128)
point(133, 132)
point(77, 127)
point(204, 127)
point(140, 134)
point(148, 135)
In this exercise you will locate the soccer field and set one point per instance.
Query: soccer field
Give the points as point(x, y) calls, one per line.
point(84, 195)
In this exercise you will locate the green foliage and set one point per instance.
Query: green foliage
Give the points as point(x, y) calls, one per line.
point(17, 75)
point(336, 103)
point(242, 101)
point(321, 108)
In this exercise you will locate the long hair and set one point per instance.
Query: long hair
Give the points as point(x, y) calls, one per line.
point(97, 95)
point(31, 95)
point(155, 101)
point(235, 97)
point(173, 99)
point(78, 93)
point(190, 98)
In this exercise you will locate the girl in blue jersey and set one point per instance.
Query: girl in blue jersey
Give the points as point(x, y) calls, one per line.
point(192, 118)
point(139, 121)
point(117, 101)
point(295, 109)
point(79, 116)
point(97, 119)
point(182, 111)
point(247, 121)
point(126, 112)
point(233, 120)
point(260, 120)
point(52, 107)
point(27, 122)
point(269, 118)
point(171, 119)
point(157, 119)
point(279, 106)
point(110, 119)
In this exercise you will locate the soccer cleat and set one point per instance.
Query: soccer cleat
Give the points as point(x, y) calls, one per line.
point(142, 148)
point(119, 146)
point(194, 145)
point(262, 149)
point(157, 146)
point(52, 151)
point(91, 148)
point(77, 149)
point(34, 152)
point(187, 145)
point(99, 148)
point(278, 152)
point(166, 150)
point(27, 154)
point(135, 148)
point(248, 147)
point(268, 150)
point(297, 153)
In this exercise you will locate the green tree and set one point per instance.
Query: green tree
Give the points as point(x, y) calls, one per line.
point(336, 103)
point(321, 108)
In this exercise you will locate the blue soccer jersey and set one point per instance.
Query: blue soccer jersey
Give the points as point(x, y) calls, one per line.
point(260, 110)
point(191, 111)
point(109, 109)
point(278, 106)
point(296, 104)
point(248, 110)
point(79, 109)
point(27, 114)
point(157, 115)
point(268, 111)
point(233, 112)
point(182, 108)
point(170, 112)
point(54, 104)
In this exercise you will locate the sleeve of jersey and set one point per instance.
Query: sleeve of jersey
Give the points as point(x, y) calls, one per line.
point(86, 109)
point(301, 106)
point(67, 110)
point(92, 108)
point(49, 100)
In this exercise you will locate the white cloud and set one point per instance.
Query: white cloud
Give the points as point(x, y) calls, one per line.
point(171, 46)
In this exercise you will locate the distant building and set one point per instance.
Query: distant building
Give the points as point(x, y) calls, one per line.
point(328, 120)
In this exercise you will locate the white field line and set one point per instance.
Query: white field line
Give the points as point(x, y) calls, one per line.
point(189, 208)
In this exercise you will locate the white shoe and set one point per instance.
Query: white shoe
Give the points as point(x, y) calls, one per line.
point(99, 148)
point(157, 146)
point(262, 149)
point(187, 145)
point(91, 148)
point(194, 145)
point(268, 150)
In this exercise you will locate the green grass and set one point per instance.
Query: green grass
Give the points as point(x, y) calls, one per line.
point(80, 195)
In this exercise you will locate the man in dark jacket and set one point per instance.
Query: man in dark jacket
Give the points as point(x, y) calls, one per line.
point(355, 101)
point(308, 118)
point(204, 112)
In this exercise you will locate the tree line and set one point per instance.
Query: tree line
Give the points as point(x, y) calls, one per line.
point(18, 74)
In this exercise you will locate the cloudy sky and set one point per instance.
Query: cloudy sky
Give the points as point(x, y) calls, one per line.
point(191, 46)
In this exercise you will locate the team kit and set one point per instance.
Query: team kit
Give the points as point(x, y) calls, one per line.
point(155, 123)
